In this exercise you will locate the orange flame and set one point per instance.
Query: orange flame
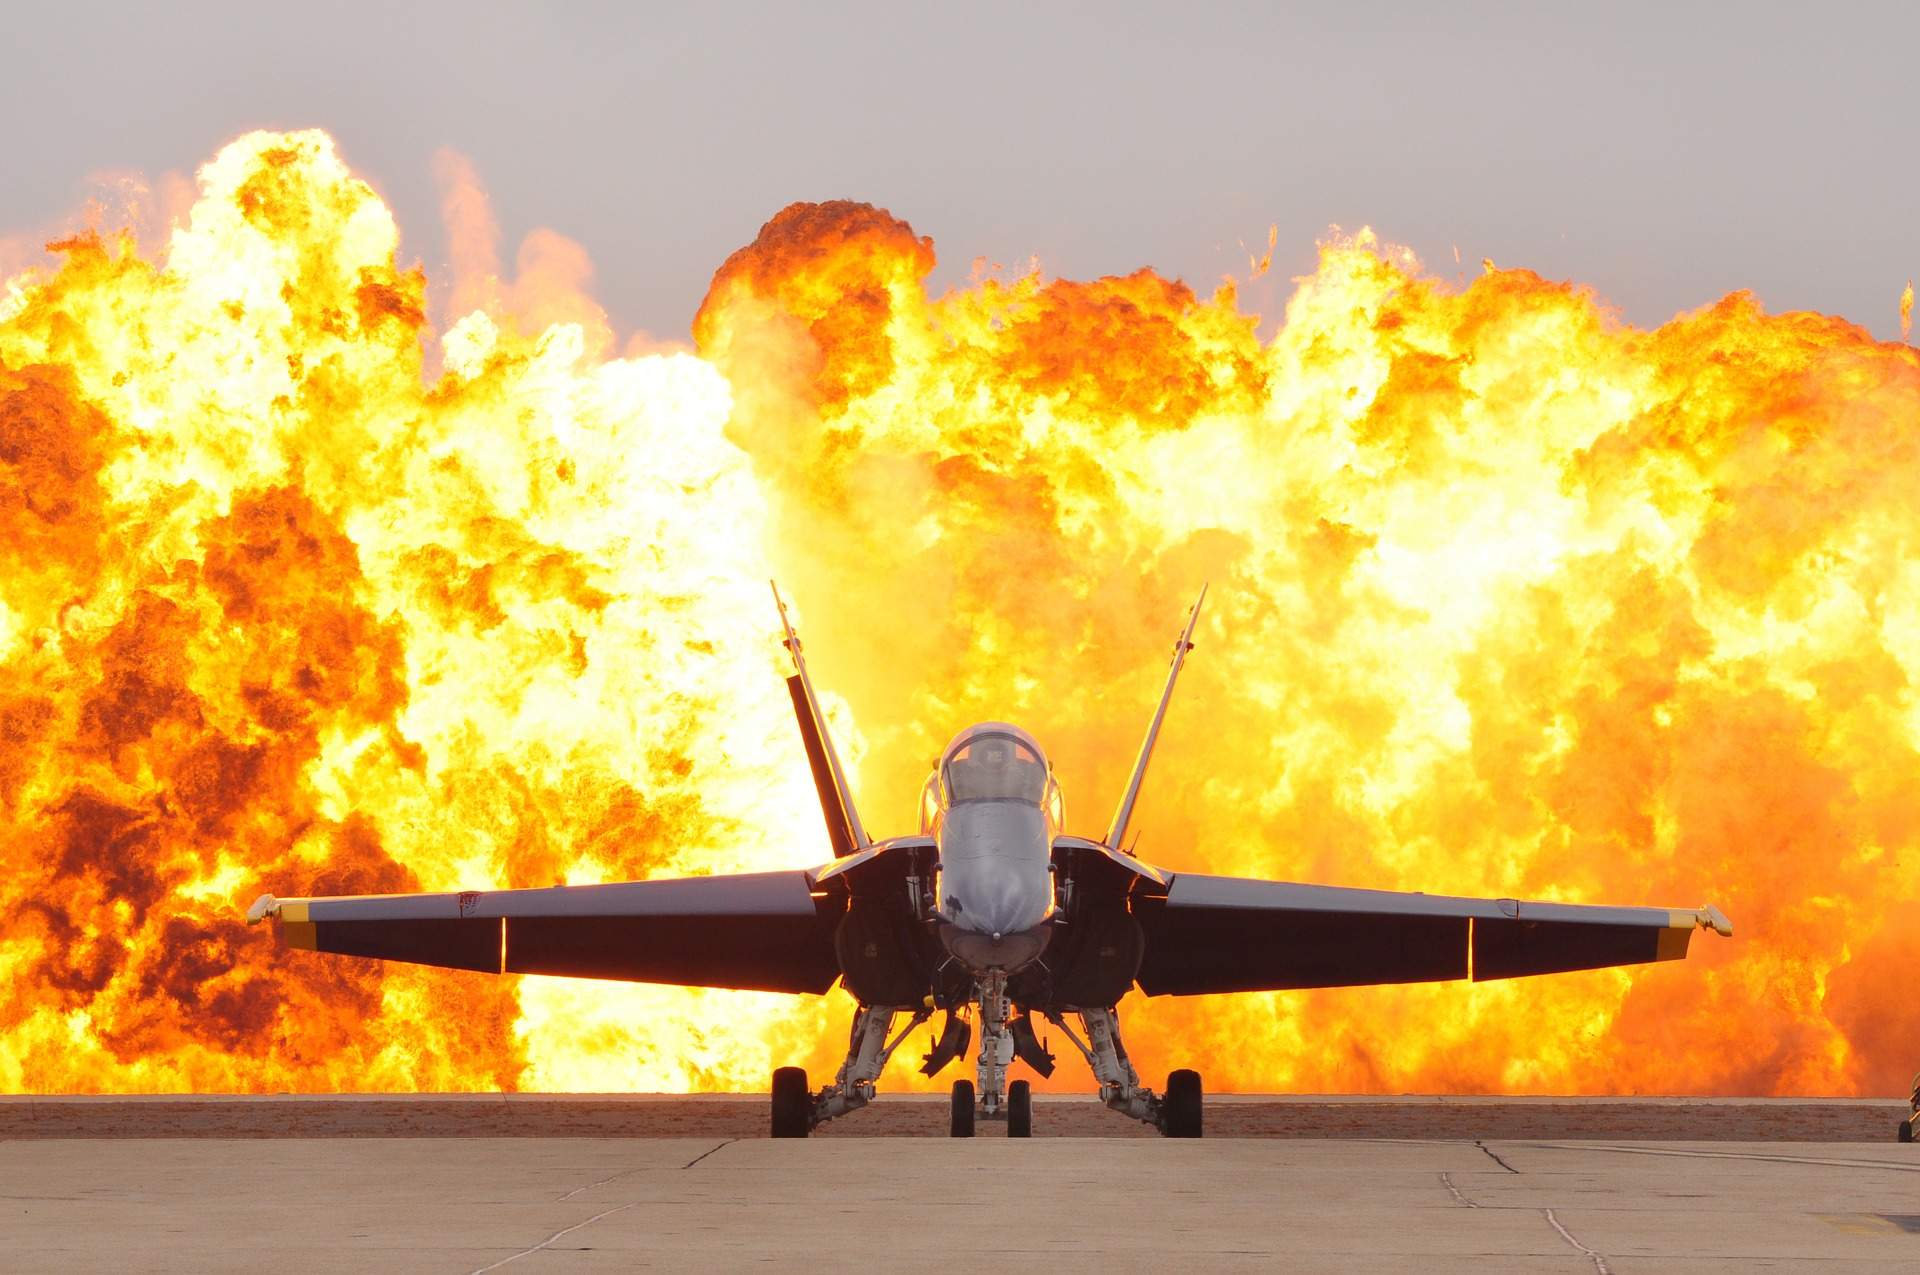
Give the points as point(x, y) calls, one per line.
point(1906, 311)
point(1258, 266)
point(1512, 598)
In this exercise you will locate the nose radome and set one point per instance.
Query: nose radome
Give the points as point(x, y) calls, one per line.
point(994, 862)
point(1008, 909)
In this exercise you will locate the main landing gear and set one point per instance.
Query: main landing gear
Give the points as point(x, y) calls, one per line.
point(1177, 1113)
point(792, 1104)
point(796, 1112)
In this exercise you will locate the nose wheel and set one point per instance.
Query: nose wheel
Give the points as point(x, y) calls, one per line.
point(1020, 1109)
point(962, 1123)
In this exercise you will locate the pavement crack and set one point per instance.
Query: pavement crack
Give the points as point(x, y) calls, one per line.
point(1495, 1157)
point(582, 1190)
point(1893, 1165)
point(525, 1252)
point(627, 1173)
point(709, 1151)
point(1599, 1262)
point(1446, 1180)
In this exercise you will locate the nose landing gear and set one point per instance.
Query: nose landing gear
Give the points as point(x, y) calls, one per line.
point(996, 1043)
point(1000, 1044)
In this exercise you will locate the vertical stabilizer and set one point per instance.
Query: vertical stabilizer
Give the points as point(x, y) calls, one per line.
point(836, 802)
point(1123, 814)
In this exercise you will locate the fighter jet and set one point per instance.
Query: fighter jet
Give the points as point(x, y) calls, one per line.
point(991, 915)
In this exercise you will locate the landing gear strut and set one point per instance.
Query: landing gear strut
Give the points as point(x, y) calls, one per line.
point(868, 1048)
point(1177, 1114)
point(996, 1043)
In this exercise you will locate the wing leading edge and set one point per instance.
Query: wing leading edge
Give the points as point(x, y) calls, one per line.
point(762, 931)
point(1225, 934)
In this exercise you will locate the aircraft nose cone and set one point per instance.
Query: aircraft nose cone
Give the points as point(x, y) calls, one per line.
point(979, 951)
point(994, 869)
point(997, 914)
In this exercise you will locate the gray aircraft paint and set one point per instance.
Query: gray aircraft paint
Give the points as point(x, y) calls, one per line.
point(994, 859)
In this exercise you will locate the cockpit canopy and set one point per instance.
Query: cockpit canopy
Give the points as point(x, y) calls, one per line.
point(993, 762)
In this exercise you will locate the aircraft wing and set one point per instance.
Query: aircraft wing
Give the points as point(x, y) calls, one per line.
point(1225, 934)
point(764, 931)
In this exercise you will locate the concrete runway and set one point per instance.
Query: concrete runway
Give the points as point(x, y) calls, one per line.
point(1062, 1204)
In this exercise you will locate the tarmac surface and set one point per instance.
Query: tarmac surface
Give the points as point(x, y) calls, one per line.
point(1059, 1204)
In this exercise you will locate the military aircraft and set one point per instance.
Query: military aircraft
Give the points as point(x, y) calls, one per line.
point(990, 914)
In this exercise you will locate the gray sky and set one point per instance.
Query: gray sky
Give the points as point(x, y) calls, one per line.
point(1663, 157)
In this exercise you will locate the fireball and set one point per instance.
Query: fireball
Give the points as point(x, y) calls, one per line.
point(313, 588)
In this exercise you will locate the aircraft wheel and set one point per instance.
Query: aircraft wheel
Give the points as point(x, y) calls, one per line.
point(962, 1109)
point(792, 1103)
point(1906, 1131)
point(1180, 1108)
point(1019, 1110)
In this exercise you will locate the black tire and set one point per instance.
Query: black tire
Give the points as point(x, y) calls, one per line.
point(962, 1126)
point(1906, 1131)
point(1019, 1110)
point(1180, 1108)
point(792, 1103)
